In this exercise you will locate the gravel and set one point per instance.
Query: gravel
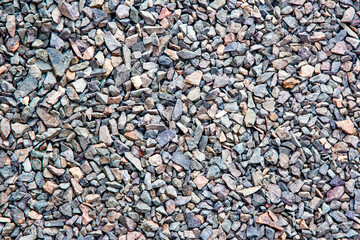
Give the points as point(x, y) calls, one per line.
point(188, 119)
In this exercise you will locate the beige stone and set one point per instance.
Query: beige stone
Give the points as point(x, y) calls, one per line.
point(306, 71)
point(200, 181)
point(194, 78)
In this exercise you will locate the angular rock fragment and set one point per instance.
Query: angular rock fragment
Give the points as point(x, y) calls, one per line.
point(69, 11)
point(59, 62)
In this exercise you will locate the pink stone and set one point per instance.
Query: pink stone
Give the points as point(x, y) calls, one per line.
point(334, 193)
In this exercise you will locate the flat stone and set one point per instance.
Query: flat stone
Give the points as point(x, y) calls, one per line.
point(317, 36)
point(249, 191)
point(230, 181)
point(60, 62)
point(155, 160)
point(334, 193)
point(192, 221)
point(110, 41)
point(290, 83)
point(182, 200)
point(261, 90)
point(340, 48)
point(347, 126)
point(79, 67)
point(194, 78)
point(11, 25)
point(200, 181)
point(250, 118)
point(320, 78)
point(221, 82)
point(279, 64)
point(69, 11)
point(165, 137)
point(5, 128)
point(13, 43)
point(134, 160)
point(19, 129)
point(26, 86)
point(296, 186)
point(266, 220)
point(348, 15)
point(217, 4)
point(120, 147)
point(181, 159)
point(78, 189)
point(48, 119)
point(186, 54)
point(291, 21)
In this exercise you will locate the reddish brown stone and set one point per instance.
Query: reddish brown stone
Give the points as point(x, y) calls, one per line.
point(290, 83)
point(266, 220)
point(49, 120)
point(164, 13)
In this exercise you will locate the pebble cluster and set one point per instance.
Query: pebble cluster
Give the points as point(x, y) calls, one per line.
point(179, 119)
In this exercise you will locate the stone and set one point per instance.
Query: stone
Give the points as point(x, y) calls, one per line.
point(11, 25)
point(348, 15)
point(104, 135)
point(340, 48)
point(122, 11)
point(13, 43)
point(217, 4)
point(19, 129)
point(80, 85)
point(249, 191)
point(200, 181)
point(18, 216)
point(279, 64)
point(69, 11)
point(260, 90)
point(164, 13)
point(186, 54)
point(266, 220)
point(165, 61)
point(155, 160)
point(192, 221)
point(135, 161)
point(4, 128)
point(317, 36)
point(347, 126)
point(250, 118)
point(49, 120)
point(181, 159)
point(335, 193)
point(306, 71)
point(50, 187)
point(110, 41)
point(59, 62)
point(291, 22)
point(25, 87)
point(165, 137)
point(194, 78)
